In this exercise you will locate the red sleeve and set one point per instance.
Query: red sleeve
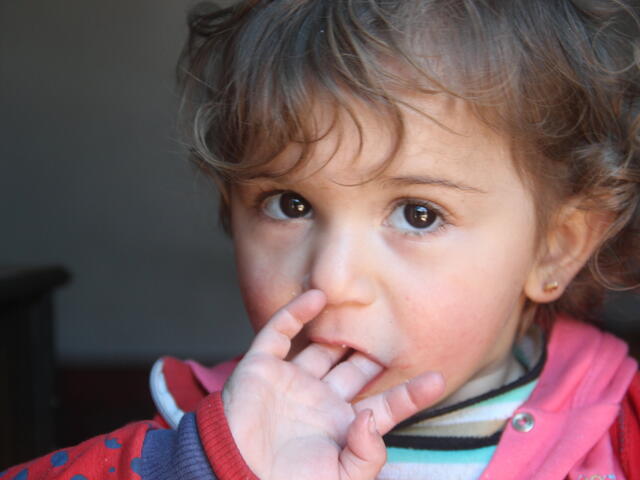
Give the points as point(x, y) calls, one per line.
point(625, 432)
point(218, 443)
point(182, 383)
point(114, 456)
point(160, 421)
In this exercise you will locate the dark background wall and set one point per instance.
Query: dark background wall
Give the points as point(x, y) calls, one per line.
point(93, 177)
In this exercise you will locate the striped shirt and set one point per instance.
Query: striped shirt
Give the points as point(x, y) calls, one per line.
point(456, 442)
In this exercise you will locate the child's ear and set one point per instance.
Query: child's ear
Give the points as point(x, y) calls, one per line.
point(570, 242)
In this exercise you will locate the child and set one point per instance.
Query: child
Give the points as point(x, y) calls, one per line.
point(427, 200)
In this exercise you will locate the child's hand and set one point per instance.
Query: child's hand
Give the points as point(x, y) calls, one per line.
point(293, 420)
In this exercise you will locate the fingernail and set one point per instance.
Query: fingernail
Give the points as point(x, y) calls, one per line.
point(372, 424)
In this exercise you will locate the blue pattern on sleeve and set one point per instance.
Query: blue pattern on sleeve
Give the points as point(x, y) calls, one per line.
point(59, 459)
point(135, 465)
point(112, 443)
point(22, 475)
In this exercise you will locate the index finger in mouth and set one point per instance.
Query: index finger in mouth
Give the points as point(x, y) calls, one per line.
point(275, 337)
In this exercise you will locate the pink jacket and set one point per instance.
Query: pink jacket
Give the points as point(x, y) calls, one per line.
point(576, 401)
point(561, 431)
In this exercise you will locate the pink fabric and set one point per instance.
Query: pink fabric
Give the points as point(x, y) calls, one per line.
point(574, 404)
point(576, 401)
point(212, 378)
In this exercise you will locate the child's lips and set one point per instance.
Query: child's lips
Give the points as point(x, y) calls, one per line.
point(350, 347)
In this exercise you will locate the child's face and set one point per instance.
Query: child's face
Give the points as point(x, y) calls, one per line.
point(423, 267)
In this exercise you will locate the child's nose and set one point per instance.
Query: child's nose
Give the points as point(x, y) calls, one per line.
point(341, 266)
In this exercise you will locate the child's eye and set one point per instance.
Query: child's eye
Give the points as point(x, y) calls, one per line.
point(415, 218)
point(286, 205)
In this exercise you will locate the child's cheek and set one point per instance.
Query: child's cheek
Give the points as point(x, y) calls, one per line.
point(264, 288)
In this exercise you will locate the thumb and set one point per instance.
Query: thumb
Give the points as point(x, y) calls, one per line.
point(364, 455)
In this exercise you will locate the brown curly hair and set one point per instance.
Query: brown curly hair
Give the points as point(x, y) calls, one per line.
point(558, 77)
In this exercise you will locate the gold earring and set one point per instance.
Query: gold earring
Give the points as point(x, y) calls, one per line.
point(551, 286)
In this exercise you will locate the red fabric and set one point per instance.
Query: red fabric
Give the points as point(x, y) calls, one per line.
point(114, 456)
point(182, 383)
point(625, 432)
point(218, 443)
point(161, 421)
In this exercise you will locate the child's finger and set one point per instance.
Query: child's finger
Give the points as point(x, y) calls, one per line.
point(365, 453)
point(349, 377)
point(275, 337)
point(317, 359)
point(399, 403)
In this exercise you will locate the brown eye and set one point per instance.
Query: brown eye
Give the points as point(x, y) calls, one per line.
point(293, 205)
point(286, 205)
point(416, 218)
point(419, 216)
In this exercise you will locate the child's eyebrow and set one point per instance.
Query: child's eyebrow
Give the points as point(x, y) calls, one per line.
point(402, 180)
point(428, 180)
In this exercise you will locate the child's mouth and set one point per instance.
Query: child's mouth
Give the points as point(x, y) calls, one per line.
point(349, 347)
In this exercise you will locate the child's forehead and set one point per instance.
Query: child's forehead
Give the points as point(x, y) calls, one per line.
point(439, 137)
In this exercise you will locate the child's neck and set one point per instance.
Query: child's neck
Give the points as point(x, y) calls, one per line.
point(505, 372)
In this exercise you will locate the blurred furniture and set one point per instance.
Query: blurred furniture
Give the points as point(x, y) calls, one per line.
point(27, 361)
